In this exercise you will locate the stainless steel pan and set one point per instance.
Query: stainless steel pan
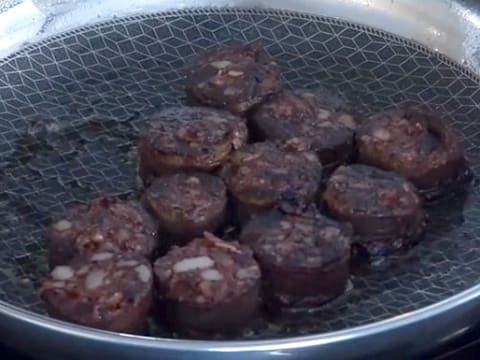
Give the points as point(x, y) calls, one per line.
point(75, 80)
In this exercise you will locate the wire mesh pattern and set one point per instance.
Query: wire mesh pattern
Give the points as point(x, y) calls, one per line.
point(71, 107)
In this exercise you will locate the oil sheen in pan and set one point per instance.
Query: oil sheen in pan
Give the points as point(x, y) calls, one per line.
point(71, 110)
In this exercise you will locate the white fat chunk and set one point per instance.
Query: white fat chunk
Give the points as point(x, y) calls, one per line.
point(194, 263)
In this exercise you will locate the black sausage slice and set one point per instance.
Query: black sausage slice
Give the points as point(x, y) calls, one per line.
point(301, 116)
point(186, 205)
point(183, 139)
point(208, 287)
point(263, 176)
point(304, 257)
point(384, 208)
point(234, 78)
point(104, 224)
point(418, 145)
point(108, 291)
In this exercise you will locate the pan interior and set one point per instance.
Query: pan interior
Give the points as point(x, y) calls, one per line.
point(71, 107)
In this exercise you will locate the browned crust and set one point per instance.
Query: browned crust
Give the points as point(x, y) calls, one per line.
point(188, 139)
point(234, 78)
point(383, 207)
point(120, 303)
point(302, 116)
point(262, 176)
point(186, 205)
point(415, 143)
point(304, 257)
point(220, 294)
point(104, 224)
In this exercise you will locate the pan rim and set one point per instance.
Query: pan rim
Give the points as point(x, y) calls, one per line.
point(289, 343)
point(164, 15)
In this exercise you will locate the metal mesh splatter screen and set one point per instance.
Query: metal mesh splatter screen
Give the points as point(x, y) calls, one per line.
point(71, 107)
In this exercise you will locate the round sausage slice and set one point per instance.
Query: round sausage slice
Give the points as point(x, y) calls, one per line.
point(108, 291)
point(415, 143)
point(209, 287)
point(104, 224)
point(263, 176)
point(304, 257)
point(234, 78)
point(186, 205)
point(188, 139)
point(300, 116)
point(384, 208)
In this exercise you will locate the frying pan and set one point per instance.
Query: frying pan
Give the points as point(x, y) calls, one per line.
point(73, 97)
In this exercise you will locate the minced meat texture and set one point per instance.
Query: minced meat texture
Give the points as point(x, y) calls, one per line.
point(102, 277)
point(207, 271)
point(301, 116)
point(365, 190)
point(101, 287)
point(417, 144)
point(104, 224)
point(302, 242)
point(263, 174)
point(190, 137)
point(193, 197)
point(234, 78)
